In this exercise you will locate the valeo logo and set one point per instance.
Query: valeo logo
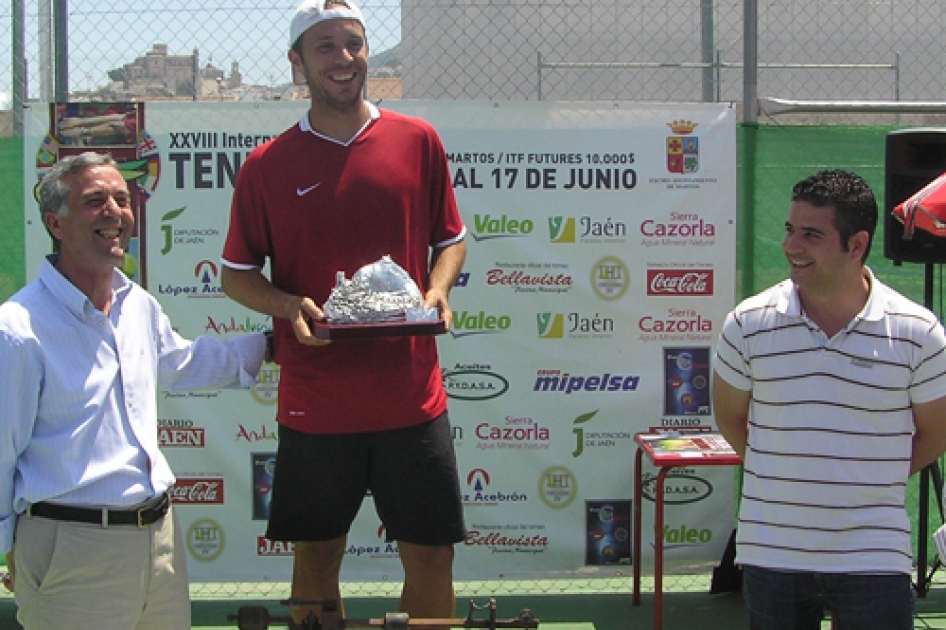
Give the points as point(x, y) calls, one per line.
point(550, 325)
point(562, 229)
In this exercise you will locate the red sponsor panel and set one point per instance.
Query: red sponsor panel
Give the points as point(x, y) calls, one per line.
point(204, 490)
point(266, 547)
point(688, 282)
point(184, 437)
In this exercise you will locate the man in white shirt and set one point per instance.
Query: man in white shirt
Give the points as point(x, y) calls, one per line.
point(832, 387)
point(83, 485)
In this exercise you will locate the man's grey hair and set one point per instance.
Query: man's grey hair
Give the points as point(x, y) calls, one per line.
point(54, 192)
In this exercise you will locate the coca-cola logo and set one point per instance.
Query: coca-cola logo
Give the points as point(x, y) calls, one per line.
point(671, 282)
point(204, 490)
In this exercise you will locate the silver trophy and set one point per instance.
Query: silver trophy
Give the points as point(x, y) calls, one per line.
point(378, 293)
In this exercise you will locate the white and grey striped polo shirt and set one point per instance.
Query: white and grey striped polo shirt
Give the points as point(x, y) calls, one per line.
point(830, 431)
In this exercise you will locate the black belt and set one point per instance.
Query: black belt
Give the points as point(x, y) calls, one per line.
point(141, 517)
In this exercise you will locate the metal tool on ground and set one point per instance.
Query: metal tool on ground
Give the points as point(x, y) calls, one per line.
point(259, 618)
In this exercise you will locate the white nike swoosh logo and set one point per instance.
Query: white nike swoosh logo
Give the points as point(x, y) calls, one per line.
point(305, 191)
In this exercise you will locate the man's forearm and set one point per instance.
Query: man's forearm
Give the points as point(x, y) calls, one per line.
point(445, 266)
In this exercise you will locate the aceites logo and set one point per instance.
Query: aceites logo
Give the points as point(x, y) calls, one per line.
point(473, 382)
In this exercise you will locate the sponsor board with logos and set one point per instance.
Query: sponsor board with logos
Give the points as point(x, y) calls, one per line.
point(601, 263)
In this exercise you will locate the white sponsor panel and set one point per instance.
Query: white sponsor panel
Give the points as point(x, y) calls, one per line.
point(599, 254)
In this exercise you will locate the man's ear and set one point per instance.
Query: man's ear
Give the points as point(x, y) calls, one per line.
point(53, 224)
point(857, 244)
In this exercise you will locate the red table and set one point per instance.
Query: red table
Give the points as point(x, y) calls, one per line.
point(668, 451)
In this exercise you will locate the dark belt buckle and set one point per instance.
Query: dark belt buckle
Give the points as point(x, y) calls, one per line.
point(158, 510)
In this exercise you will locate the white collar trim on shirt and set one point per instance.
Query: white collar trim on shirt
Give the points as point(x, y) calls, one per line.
point(72, 298)
point(788, 303)
point(373, 114)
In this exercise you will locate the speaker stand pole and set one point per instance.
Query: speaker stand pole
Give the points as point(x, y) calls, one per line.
point(929, 474)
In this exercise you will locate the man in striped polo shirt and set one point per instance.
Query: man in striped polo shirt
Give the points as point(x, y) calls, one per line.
point(832, 387)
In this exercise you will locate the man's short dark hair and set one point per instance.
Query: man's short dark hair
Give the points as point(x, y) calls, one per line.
point(855, 207)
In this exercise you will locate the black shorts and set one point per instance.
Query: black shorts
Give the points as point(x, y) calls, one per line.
point(320, 482)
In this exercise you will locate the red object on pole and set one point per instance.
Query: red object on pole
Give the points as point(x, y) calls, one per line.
point(924, 210)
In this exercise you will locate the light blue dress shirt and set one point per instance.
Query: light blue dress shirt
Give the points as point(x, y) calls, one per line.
point(78, 393)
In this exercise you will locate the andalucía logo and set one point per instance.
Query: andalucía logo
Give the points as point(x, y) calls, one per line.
point(683, 150)
point(231, 325)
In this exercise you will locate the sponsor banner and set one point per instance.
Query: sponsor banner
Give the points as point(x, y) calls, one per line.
point(600, 267)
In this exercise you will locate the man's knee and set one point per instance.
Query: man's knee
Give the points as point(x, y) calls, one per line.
point(429, 559)
point(326, 555)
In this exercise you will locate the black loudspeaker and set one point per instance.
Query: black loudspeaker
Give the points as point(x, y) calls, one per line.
point(915, 157)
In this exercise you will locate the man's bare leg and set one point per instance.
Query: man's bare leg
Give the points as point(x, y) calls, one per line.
point(428, 581)
point(315, 575)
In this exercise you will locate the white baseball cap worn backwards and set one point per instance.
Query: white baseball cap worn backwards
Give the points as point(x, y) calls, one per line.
point(311, 12)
